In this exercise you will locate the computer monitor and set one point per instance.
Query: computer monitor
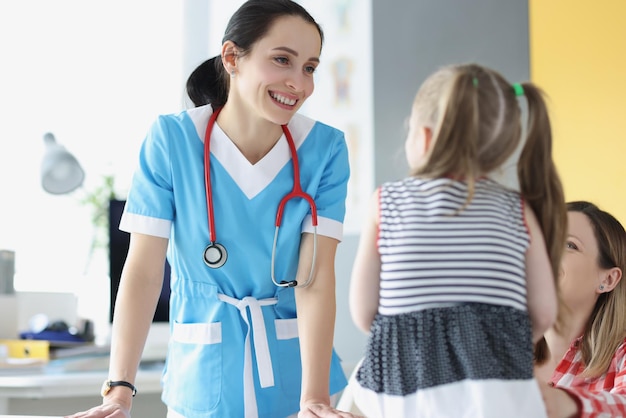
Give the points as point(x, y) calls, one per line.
point(118, 248)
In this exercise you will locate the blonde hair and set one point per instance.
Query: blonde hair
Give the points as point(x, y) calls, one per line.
point(476, 126)
point(606, 328)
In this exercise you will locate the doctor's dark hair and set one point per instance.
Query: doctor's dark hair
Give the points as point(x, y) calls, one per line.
point(209, 83)
point(476, 124)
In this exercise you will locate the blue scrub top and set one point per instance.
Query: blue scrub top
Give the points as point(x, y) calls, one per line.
point(234, 349)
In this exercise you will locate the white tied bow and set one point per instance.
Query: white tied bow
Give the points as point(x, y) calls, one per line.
point(261, 348)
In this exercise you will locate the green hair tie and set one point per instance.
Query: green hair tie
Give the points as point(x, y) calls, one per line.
point(518, 89)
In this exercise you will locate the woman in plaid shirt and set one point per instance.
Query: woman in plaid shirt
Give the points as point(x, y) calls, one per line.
point(583, 358)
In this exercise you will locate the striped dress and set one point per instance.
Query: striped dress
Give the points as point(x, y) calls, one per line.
point(452, 337)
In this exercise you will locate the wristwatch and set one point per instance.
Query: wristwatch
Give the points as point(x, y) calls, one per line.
point(108, 384)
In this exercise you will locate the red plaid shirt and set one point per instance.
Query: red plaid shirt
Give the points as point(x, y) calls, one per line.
point(600, 397)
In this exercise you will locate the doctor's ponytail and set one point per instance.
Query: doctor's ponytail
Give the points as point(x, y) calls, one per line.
point(208, 83)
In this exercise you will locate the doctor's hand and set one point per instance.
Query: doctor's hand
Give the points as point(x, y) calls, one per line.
point(319, 410)
point(106, 410)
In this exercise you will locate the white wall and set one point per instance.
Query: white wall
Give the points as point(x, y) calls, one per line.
point(95, 74)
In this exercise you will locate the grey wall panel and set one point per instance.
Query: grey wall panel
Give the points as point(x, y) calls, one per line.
point(413, 38)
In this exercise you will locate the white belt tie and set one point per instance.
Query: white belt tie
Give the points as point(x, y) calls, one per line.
point(261, 348)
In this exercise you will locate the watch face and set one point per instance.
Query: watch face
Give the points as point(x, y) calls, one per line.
point(106, 387)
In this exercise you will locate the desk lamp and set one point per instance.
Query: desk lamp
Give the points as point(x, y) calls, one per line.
point(60, 171)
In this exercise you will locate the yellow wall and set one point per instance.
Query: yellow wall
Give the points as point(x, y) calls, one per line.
point(578, 56)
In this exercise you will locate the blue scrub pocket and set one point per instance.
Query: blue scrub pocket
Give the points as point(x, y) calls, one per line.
point(200, 345)
point(289, 350)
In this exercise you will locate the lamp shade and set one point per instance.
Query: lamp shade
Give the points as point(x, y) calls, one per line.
point(60, 171)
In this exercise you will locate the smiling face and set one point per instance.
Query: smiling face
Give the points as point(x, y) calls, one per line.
point(275, 78)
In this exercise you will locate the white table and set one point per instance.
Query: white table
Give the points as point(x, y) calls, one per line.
point(70, 385)
point(30, 416)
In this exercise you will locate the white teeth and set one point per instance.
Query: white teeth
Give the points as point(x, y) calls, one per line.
point(284, 100)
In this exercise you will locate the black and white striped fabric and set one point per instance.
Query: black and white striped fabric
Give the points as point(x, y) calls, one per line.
point(452, 337)
point(436, 252)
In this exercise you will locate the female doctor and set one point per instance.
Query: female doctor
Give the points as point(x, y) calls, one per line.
point(247, 199)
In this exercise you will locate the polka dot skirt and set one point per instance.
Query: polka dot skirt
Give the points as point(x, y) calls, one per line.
point(423, 349)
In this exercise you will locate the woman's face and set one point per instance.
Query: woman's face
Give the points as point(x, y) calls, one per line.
point(276, 77)
point(581, 275)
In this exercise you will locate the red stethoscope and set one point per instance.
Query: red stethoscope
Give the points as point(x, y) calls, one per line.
point(215, 254)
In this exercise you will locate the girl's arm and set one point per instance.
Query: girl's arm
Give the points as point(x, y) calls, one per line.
point(540, 283)
point(365, 280)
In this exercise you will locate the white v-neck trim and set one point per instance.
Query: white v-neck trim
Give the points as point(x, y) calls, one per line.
point(251, 178)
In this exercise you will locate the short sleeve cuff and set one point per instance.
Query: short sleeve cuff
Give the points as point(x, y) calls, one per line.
point(325, 226)
point(132, 222)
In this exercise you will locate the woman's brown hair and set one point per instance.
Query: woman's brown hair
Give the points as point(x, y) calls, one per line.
point(606, 328)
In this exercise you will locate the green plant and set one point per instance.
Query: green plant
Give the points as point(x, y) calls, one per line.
point(98, 201)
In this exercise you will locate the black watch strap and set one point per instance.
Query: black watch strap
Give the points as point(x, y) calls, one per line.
point(112, 383)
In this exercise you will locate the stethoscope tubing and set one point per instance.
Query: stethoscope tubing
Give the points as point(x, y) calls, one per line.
point(207, 174)
point(296, 192)
point(215, 255)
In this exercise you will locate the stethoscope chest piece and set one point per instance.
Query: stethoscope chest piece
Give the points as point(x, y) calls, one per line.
point(215, 255)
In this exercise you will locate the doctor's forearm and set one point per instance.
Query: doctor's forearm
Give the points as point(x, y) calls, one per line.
point(130, 328)
point(134, 308)
point(133, 316)
point(316, 319)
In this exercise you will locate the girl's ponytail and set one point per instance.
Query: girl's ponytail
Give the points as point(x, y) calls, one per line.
point(541, 187)
point(539, 181)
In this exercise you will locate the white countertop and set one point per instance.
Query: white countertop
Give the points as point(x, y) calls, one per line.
point(38, 386)
point(29, 416)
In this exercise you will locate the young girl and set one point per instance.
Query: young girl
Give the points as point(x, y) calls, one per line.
point(454, 275)
point(252, 306)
